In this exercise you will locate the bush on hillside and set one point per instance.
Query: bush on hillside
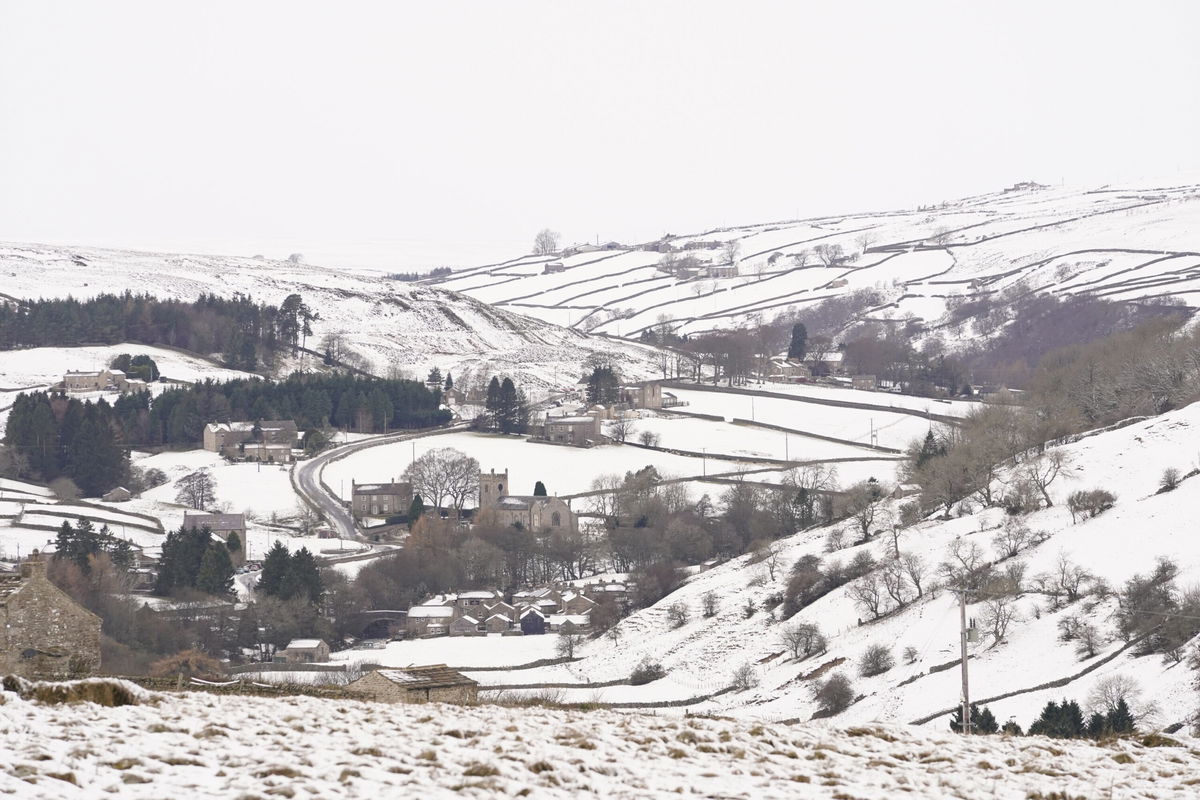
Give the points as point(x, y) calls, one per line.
point(834, 695)
point(1090, 503)
point(646, 672)
point(876, 660)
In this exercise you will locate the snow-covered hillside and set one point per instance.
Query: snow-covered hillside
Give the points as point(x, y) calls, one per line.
point(1118, 242)
point(390, 323)
point(203, 745)
point(1143, 525)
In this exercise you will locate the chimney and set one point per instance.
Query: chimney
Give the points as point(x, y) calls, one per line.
point(34, 566)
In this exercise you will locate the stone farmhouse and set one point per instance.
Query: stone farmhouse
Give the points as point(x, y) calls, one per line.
point(43, 632)
point(433, 684)
point(271, 441)
point(578, 431)
point(647, 394)
point(103, 380)
point(380, 499)
point(530, 512)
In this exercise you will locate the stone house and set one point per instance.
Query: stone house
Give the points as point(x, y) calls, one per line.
point(118, 495)
point(304, 651)
point(476, 603)
point(436, 684)
point(533, 622)
point(721, 270)
point(863, 382)
point(271, 441)
point(380, 499)
point(466, 625)
point(429, 620)
point(553, 267)
point(577, 604)
point(43, 632)
point(104, 380)
point(569, 623)
point(453, 397)
point(503, 609)
point(647, 394)
point(500, 623)
point(577, 431)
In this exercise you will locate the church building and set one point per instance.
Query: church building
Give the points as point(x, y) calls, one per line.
point(531, 512)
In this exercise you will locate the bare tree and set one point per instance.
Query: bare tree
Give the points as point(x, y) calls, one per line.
point(861, 504)
point(730, 251)
point(708, 604)
point(830, 255)
point(893, 578)
point(567, 643)
point(445, 477)
point(1043, 469)
point(868, 593)
point(999, 612)
point(915, 569)
point(835, 694)
point(620, 429)
point(196, 489)
point(677, 614)
point(803, 639)
point(1013, 537)
point(876, 660)
point(1109, 691)
point(545, 243)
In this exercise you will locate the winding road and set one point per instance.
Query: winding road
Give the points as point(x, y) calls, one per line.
point(312, 488)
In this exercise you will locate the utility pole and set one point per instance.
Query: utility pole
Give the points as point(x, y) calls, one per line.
point(966, 691)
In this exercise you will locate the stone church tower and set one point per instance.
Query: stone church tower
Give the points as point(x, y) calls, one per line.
point(492, 486)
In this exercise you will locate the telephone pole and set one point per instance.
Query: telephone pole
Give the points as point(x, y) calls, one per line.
point(966, 691)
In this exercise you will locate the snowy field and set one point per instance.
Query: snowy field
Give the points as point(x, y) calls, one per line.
point(205, 745)
point(457, 651)
point(42, 366)
point(564, 470)
point(891, 429)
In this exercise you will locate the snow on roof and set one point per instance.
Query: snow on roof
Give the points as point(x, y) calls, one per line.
point(477, 595)
point(574, 619)
point(429, 612)
point(304, 644)
point(468, 619)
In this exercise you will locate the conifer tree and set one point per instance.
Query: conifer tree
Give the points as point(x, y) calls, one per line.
point(215, 575)
point(275, 568)
point(798, 347)
point(539, 489)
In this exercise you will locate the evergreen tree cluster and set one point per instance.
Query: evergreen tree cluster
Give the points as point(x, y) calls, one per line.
point(141, 367)
point(506, 409)
point(60, 436)
point(288, 576)
point(79, 543)
point(89, 441)
point(192, 559)
point(603, 386)
point(245, 332)
point(1063, 720)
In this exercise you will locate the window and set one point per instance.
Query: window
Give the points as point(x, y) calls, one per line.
point(556, 519)
point(499, 487)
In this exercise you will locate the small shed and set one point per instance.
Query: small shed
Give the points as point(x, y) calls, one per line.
point(117, 495)
point(304, 651)
point(465, 626)
point(436, 683)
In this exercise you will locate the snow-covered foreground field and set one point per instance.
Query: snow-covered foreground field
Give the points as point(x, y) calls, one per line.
point(564, 470)
point(198, 745)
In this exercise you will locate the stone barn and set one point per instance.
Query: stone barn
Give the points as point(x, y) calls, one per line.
point(433, 684)
point(43, 632)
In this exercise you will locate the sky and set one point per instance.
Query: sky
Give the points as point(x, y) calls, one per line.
point(404, 134)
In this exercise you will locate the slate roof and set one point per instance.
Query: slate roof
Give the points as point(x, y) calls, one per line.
point(435, 676)
point(215, 522)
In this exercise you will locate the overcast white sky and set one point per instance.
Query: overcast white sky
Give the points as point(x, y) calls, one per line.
point(397, 133)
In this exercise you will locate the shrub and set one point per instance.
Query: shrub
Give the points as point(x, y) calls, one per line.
point(189, 664)
point(708, 604)
point(646, 672)
point(1169, 480)
point(677, 614)
point(749, 610)
point(877, 660)
point(834, 695)
point(911, 655)
point(1089, 503)
point(803, 639)
point(745, 677)
point(1022, 498)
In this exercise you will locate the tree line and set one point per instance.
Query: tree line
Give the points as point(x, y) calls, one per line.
point(52, 435)
point(247, 334)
